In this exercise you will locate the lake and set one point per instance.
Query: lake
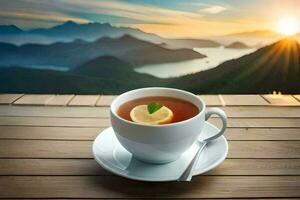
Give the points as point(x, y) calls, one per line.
point(50, 67)
point(215, 56)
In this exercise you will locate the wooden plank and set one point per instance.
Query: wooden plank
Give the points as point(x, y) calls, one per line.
point(45, 111)
point(60, 100)
point(9, 98)
point(105, 122)
point(59, 111)
point(264, 149)
point(282, 100)
point(54, 111)
point(80, 133)
point(48, 133)
point(211, 100)
point(84, 100)
point(86, 167)
point(33, 99)
point(45, 149)
point(117, 187)
point(105, 100)
point(82, 149)
point(257, 167)
point(261, 111)
point(53, 121)
point(262, 134)
point(51, 167)
point(259, 122)
point(248, 100)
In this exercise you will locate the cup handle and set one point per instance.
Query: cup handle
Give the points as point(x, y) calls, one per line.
point(223, 117)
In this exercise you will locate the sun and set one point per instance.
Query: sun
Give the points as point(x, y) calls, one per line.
point(288, 26)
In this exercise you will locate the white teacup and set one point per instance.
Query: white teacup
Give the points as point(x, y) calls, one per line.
point(161, 143)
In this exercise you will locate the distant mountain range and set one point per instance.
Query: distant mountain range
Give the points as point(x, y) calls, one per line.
point(70, 31)
point(258, 38)
point(237, 45)
point(188, 43)
point(257, 33)
point(275, 67)
point(132, 50)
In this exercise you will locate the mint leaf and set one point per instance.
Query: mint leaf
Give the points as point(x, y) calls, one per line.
point(153, 107)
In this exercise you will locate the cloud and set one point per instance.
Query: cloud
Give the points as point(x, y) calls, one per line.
point(141, 12)
point(29, 14)
point(41, 16)
point(213, 9)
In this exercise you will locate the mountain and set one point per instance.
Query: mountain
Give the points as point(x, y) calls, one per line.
point(15, 35)
point(237, 45)
point(275, 67)
point(105, 75)
point(189, 43)
point(104, 66)
point(117, 71)
point(132, 50)
point(10, 29)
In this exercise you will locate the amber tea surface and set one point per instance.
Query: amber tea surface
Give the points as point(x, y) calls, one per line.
point(182, 110)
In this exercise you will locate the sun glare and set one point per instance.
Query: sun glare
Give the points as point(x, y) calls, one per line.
point(288, 26)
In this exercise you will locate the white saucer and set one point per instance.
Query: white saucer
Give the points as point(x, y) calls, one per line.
point(112, 156)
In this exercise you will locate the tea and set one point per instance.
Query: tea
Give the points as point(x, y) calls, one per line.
point(181, 109)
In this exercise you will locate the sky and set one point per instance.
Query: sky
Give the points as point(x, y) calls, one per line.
point(169, 18)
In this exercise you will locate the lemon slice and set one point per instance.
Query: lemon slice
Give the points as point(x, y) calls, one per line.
point(140, 114)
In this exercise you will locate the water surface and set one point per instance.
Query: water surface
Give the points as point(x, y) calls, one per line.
point(215, 56)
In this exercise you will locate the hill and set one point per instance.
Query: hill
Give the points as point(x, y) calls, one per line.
point(10, 29)
point(105, 67)
point(105, 75)
point(237, 45)
point(275, 67)
point(189, 43)
point(136, 52)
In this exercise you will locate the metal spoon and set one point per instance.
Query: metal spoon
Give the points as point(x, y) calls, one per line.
point(188, 173)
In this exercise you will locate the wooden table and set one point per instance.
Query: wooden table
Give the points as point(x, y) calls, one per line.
point(45, 150)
